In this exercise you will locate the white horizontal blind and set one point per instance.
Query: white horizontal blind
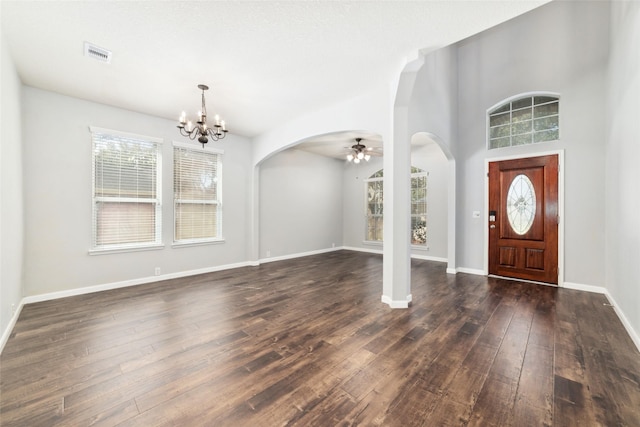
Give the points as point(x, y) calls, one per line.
point(126, 191)
point(196, 188)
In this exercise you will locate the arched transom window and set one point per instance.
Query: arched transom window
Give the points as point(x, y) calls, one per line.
point(374, 204)
point(525, 120)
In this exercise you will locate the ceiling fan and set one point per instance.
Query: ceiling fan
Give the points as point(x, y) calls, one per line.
point(359, 151)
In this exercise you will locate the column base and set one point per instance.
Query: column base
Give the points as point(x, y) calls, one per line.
point(397, 303)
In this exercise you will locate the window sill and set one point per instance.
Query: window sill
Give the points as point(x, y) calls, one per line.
point(106, 251)
point(187, 244)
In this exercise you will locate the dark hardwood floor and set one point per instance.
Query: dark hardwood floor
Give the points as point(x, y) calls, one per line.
point(307, 342)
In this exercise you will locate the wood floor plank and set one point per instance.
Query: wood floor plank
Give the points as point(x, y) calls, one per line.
point(306, 342)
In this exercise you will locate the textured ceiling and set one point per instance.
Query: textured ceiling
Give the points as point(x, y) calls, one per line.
point(266, 62)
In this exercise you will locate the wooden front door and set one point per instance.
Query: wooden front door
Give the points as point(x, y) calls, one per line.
point(523, 218)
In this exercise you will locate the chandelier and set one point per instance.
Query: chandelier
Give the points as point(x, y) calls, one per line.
point(358, 152)
point(201, 130)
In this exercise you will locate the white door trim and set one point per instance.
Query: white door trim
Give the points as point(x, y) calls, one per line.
point(560, 154)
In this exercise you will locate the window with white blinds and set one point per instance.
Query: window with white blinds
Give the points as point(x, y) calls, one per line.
point(197, 194)
point(126, 190)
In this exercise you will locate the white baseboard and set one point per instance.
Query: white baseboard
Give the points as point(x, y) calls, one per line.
point(369, 251)
point(7, 332)
point(475, 271)
point(429, 258)
point(625, 322)
point(299, 255)
point(127, 283)
point(379, 252)
point(602, 290)
point(391, 303)
point(586, 288)
point(397, 303)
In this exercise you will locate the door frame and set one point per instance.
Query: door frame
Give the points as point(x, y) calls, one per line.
point(485, 224)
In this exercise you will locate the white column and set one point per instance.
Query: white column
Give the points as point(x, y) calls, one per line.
point(396, 276)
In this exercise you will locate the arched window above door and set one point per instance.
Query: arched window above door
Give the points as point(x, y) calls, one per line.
point(524, 120)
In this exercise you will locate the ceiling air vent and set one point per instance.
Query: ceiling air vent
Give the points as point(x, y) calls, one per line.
point(96, 52)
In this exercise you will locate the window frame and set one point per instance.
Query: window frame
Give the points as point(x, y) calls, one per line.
point(366, 208)
point(379, 177)
point(217, 202)
point(493, 110)
point(97, 249)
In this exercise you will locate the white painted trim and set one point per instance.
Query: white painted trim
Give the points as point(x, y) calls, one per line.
point(475, 271)
point(560, 154)
point(509, 100)
point(452, 270)
point(298, 255)
point(585, 288)
point(370, 251)
point(127, 283)
point(7, 332)
point(379, 252)
point(633, 334)
point(96, 129)
point(391, 303)
point(429, 258)
point(397, 303)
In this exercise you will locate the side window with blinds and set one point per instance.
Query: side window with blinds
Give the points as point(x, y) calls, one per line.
point(126, 191)
point(197, 194)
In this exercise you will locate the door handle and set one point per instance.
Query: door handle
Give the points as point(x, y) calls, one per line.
point(492, 226)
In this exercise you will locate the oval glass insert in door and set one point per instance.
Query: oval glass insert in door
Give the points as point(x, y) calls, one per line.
point(521, 204)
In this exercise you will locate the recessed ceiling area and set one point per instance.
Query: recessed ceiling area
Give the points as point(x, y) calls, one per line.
point(266, 62)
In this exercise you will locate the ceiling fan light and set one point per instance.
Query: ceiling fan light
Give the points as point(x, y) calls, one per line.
point(360, 155)
point(350, 157)
point(356, 160)
point(367, 157)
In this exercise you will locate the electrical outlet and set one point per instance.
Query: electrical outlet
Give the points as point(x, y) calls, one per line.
point(157, 271)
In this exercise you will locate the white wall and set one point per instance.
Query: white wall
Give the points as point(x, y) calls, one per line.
point(300, 203)
point(560, 47)
point(11, 199)
point(434, 101)
point(57, 192)
point(369, 112)
point(622, 171)
point(429, 158)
